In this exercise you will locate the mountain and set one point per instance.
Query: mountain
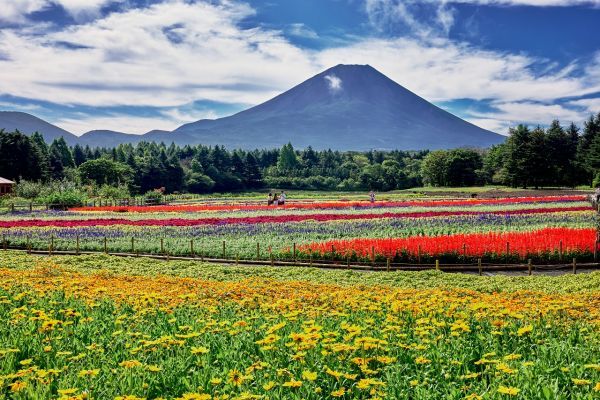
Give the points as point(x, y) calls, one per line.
point(28, 124)
point(347, 107)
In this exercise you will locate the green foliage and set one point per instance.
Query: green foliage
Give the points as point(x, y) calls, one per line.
point(104, 171)
point(29, 189)
point(113, 192)
point(153, 196)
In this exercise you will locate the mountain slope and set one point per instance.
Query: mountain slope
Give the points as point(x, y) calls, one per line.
point(28, 124)
point(347, 107)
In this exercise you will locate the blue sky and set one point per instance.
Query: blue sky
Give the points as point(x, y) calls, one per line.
point(137, 65)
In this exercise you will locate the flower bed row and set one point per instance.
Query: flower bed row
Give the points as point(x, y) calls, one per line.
point(271, 219)
point(330, 204)
point(549, 243)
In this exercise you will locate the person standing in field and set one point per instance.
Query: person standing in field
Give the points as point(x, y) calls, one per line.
point(275, 200)
point(372, 196)
point(282, 198)
point(270, 201)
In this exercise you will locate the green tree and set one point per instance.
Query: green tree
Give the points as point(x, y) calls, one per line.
point(287, 160)
point(462, 167)
point(104, 171)
point(434, 168)
point(20, 158)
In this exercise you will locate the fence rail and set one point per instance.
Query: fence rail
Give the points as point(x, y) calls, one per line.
point(385, 266)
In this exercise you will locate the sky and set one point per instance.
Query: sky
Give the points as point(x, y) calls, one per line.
point(137, 65)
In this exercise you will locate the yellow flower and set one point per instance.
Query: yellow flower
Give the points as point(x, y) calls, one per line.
point(129, 397)
point(422, 360)
point(268, 386)
point(88, 372)
point(154, 368)
point(292, 383)
point(525, 330)
point(199, 350)
point(597, 387)
point(26, 362)
point(216, 381)
point(130, 364)
point(581, 382)
point(309, 376)
point(414, 383)
point(473, 396)
point(236, 377)
point(18, 386)
point(194, 396)
point(511, 391)
point(338, 393)
point(66, 392)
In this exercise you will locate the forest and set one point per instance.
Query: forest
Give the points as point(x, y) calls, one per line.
point(557, 156)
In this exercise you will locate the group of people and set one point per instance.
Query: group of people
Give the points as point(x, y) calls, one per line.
point(276, 200)
point(279, 200)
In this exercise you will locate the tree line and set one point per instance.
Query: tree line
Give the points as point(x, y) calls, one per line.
point(530, 157)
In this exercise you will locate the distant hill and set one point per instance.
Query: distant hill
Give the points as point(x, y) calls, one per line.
point(28, 124)
point(347, 107)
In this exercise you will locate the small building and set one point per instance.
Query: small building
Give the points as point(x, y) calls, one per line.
point(6, 186)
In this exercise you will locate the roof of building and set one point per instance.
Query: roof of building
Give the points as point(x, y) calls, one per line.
point(4, 180)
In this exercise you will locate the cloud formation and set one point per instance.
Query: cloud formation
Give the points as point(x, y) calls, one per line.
point(333, 83)
point(175, 52)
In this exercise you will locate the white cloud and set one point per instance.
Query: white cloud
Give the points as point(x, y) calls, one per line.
point(176, 52)
point(128, 58)
point(442, 70)
point(119, 123)
point(301, 30)
point(534, 3)
point(17, 10)
point(334, 83)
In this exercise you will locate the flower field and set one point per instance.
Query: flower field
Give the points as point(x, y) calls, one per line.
point(104, 327)
point(546, 229)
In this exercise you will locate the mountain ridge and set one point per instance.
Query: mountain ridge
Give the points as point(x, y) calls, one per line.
point(346, 107)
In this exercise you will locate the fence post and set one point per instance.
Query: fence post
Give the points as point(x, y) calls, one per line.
point(388, 265)
point(51, 248)
point(332, 252)
point(257, 250)
point(224, 249)
point(574, 266)
point(373, 255)
point(465, 251)
point(437, 265)
point(348, 261)
point(479, 266)
point(30, 206)
point(271, 257)
point(310, 258)
point(4, 242)
point(507, 251)
point(294, 252)
point(237, 259)
point(28, 244)
point(529, 267)
point(132, 245)
point(192, 248)
point(105, 246)
point(419, 255)
point(162, 246)
point(77, 244)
